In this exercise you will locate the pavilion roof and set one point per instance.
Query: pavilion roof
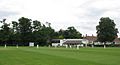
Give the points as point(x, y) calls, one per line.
point(72, 42)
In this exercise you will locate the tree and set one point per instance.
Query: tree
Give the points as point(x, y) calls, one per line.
point(42, 34)
point(15, 36)
point(47, 33)
point(61, 34)
point(106, 31)
point(5, 31)
point(72, 33)
point(36, 35)
point(25, 29)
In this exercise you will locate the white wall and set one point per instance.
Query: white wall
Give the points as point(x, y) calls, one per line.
point(55, 44)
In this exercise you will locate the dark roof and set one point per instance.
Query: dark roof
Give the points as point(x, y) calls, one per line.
point(55, 40)
point(72, 42)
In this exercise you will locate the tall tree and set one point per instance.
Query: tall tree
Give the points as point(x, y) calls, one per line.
point(5, 31)
point(48, 32)
point(15, 36)
point(106, 31)
point(42, 34)
point(36, 31)
point(25, 29)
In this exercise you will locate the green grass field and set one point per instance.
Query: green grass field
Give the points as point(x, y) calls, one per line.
point(59, 56)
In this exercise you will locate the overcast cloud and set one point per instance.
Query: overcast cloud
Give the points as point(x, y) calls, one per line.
point(84, 15)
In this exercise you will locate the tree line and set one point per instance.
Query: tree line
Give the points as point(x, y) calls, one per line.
point(25, 30)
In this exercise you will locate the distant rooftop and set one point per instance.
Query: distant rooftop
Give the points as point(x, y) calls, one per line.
point(90, 38)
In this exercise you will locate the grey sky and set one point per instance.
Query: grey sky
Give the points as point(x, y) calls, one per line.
point(7, 13)
point(84, 15)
